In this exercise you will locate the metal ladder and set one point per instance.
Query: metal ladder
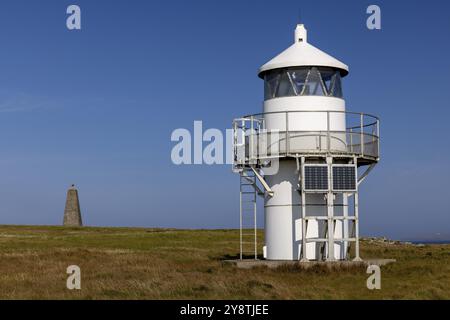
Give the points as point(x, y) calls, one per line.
point(247, 213)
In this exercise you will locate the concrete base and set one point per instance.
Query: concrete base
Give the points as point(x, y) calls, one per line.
point(273, 264)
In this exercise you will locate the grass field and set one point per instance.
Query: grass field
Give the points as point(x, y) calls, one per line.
point(129, 263)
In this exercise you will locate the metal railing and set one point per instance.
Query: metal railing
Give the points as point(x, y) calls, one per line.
point(293, 133)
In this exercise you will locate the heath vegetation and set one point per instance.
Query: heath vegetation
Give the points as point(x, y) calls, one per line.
point(136, 263)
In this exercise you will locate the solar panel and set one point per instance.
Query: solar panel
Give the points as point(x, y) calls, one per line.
point(316, 177)
point(344, 178)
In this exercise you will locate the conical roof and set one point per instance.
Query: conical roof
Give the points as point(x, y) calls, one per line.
point(300, 54)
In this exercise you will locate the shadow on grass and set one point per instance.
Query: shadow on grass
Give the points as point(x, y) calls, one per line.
point(236, 257)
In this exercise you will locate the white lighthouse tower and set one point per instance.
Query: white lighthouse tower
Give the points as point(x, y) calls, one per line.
point(306, 155)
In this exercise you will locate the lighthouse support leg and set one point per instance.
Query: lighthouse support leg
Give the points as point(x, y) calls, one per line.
point(330, 207)
point(357, 257)
point(304, 257)
point(345, 243)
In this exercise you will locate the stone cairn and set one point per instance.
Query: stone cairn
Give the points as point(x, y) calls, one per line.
point(72, 212)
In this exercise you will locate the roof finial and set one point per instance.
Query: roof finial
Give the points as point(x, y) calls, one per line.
point(300, 34)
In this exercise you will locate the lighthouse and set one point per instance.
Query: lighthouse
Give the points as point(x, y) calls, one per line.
point(306, 155)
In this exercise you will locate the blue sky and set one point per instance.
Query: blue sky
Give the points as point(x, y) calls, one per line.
point(96, 107)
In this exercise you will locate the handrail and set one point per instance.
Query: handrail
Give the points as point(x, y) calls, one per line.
point(374, 120)
point(316, 111)
point(358, 140)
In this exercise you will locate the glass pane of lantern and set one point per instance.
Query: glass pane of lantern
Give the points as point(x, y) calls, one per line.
point(314, 83)
point(298, 78)
point(270, 84)
point(336, 86)
point(285, 88)
point(327, 75)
